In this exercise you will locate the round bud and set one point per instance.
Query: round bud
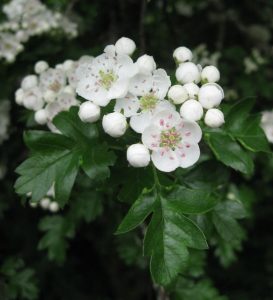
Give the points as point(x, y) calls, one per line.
point(68, 65)
point(138, 156)
point(114, 124)
point(19, 96)
point(214, 118)
point(29, 82)
point(178, 94)
point(54, 207)
point(146, 64)
point(89, 112)
point(187, 72)
point(33, 103)
point(125, 46)
point(192, 90)
point(210, 95)
point(40, 67)
point(41, 116)
point(182, 54)
point(210, 74)
point(191, 110)
point(44, 203)
point(49, 96)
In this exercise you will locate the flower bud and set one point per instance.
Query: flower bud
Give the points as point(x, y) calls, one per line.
point(214, 118)
point(110, 50)
point(32, 102)
point(53, 207)
point(182, 54)
point(187, 72)
point(146, 64)
point(138, 156)
point(44, 203)
point(114, 124)
point(89, 112)
point(41, 116)
point(191, 110)
point(19, 96)
point(40, 67)
point(192, 90)
point(210, 95)
point(210, 74)
point(178, 94)
point(29, 82)
point(68, 65)
point(49, 96)
point(125, 46)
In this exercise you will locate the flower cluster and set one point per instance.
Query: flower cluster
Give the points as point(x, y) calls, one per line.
point(51, 90)
point(146, 100)
point(4, 120)
point(267, 125)
point(47, 203)
point(27, 18)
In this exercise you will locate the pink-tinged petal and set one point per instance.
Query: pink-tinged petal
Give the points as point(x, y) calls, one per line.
point(161, 83)
point(151, 137)
point(166, 119)
point(140, 85)
point(118, 89)
point(190, 131)
point(141, 121)
point(129, 104)
point(188, 154)
point(165, 160)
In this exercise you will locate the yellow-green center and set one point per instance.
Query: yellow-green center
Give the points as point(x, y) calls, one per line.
point(170, 138)
point(107, 79)
point(148, 102)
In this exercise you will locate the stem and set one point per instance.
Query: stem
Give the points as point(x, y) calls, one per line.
point(161, 293)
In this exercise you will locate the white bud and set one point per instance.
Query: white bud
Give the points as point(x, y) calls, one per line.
point(210, 95)
point(138, 156)
point(29, 82)
point(32, 102)
point(54, 207)
point(89, 112)
point(114, 124)
point(40, 67)
point(210, 74)
point(182, 54)
point(187, 72)
point(110, 50)
point(125, 46)
point(214, 118)
point(49, 96)
point(192, 90)
point(44, 203)
point(146, 64)
point(191, 110)
point(178, 94)
point(19, 96)
point(41, 116)
point(69, 90)
point(68, 65)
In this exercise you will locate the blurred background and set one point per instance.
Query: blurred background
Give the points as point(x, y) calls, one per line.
point(85, 260)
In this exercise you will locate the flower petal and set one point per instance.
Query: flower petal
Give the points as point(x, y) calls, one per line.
point(141, 121)
point(125, 67)
point(161, 83)
point(140, 84)
point(118, 89)
point(165, 160)
point(190, 131)
point(151, 137)
point(166, 119)
point(188, 154)
point(129, 104)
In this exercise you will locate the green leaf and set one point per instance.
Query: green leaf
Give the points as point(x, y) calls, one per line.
point(139, 211)
point(192, 201)
point(230, 152)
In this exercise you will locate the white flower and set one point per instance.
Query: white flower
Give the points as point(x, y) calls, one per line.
point(210, 95)
point(53, 80)
point(187, 72)
point(54, 207)
point(29, 82)
point(173, 141)
point(19, 96)
point(210, 74)
point(40, 67)
point(178, 94)
point(138, 156)
point(192, 90)
point(106, 78)
point(146, 64)
point(267, 125)
point(41, 116)
point(110, 50)
point(44, 203)
point(125, 46)
point(214, 118)
point(33, 99)
point(49, 96)
point(89, 112)
point(114, 124)
point(191, 110)
point(182, 54)
point(68, 65)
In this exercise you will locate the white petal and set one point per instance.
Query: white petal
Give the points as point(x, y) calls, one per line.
point(161, 83)
point(141, 121)
point(129, 104)
point(163, 105)
point(190, 131)
point(165, 161)
point(166, 119)
point(118, 89)
point(188, 154)
point(151, 137)
point(125, 67)
point(140, 84)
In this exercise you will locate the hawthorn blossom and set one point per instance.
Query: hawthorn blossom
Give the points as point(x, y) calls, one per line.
point(107, 77)
point(267, 125)
point(173, 141)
